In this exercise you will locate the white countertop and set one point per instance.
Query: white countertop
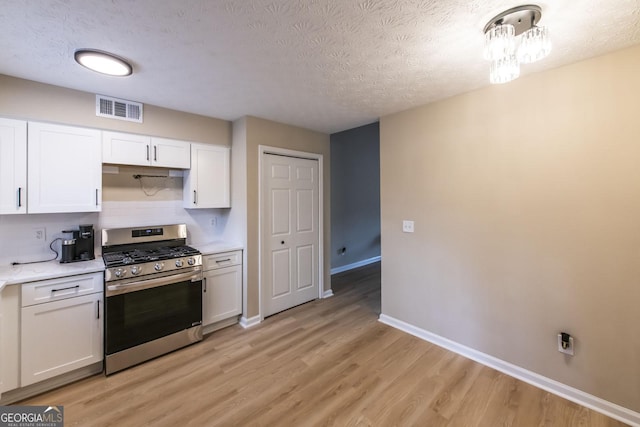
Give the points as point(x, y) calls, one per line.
point(215, 247)
point(12, 275)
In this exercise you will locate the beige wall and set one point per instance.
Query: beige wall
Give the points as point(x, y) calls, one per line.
point(526, 202)
point(25, 99)
point(265, 132)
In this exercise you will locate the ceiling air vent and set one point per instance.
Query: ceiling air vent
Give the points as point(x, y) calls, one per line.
point(118, 109)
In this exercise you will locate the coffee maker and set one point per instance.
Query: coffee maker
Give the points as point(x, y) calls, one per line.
point(80, 247)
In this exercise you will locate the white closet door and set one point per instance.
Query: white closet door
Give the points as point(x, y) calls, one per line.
point(290, 232)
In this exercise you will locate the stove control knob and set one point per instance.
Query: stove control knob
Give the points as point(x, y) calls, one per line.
point(119, 272)
point(179, 263)
point(136, 270)
point(159, 266)
point(191, 261)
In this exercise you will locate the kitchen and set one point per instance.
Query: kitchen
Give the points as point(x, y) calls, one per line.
point(142, 195)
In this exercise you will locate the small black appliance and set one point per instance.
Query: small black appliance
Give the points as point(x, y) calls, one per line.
point(80, 247)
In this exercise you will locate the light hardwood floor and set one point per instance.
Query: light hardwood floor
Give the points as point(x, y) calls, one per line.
point(328, 362)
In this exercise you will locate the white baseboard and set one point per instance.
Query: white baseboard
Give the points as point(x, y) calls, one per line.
point(327, 294)
point(355, 265)
point(251, 321)
point(567, 392)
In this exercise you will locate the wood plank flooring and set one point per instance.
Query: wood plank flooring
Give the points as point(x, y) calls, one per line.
point(329, 362)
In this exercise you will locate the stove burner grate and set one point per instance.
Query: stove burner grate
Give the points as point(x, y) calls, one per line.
point(136, 256)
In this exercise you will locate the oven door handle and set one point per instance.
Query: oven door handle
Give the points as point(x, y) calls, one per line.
point(116, 289)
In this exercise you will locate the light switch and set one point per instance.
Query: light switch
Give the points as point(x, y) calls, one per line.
point(407, 226)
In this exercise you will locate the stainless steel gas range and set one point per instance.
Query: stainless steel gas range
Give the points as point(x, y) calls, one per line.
point(153, 290)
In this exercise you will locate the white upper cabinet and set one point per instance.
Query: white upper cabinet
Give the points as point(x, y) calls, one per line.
point(207, 183)
point(13, 166)
point(140, 150)
point(65, 169)
point(126, 149)
point(170, 153)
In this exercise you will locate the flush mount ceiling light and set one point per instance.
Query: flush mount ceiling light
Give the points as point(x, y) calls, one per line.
point(513, 38)
point(103, 62)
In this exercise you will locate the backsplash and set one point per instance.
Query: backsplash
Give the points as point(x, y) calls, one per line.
point(199, 222)
point(18, 232)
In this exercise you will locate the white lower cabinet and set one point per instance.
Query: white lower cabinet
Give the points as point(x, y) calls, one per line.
point(10, 339)
point(221, 287)
point(63, 334)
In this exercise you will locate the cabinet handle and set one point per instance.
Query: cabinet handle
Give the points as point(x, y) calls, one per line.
point(147, 152)
point(155, 153)
point(19, 197)
point(195, 200)
point(219, 261)
point(96, 197)
point(204, 281)
point(65, 289)
point(97, 309)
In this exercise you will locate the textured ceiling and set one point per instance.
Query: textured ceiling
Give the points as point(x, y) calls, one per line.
point(327, 65)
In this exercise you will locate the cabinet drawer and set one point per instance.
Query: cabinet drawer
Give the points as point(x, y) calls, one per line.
point(221, 260)
point(61, 288)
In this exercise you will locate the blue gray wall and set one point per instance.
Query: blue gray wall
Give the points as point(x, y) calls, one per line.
point(355, 195)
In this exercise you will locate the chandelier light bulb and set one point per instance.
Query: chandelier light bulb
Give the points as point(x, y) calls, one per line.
point(500, 41)
point(504, 70)
point(534, 45)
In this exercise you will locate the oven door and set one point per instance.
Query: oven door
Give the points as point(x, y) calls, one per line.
point(142, 311)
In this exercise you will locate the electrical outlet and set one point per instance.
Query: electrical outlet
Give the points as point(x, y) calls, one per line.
point(407, 226)
point(569, 349)
point(214, 221)
point(40, 233)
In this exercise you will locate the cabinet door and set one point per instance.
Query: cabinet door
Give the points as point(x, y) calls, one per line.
point(60, 336)
point(65, 169)
point(126, 149)
point(221, 294)
point(170, 153)
point(13, 166)
point(10, 338)
point(207, 184)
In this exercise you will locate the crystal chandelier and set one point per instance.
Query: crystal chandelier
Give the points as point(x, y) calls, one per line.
point(513, 38)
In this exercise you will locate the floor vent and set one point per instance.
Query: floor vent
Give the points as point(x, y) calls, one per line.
point(118, 109)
